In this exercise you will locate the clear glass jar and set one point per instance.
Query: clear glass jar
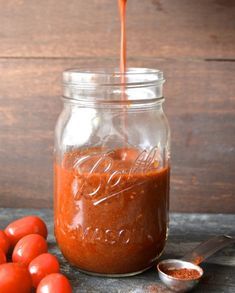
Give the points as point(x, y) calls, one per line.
point(112, 152)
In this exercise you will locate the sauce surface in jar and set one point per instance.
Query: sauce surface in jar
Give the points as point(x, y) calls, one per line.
point(111, 209)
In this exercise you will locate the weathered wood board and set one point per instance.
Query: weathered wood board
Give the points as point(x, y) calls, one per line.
point(186, 231)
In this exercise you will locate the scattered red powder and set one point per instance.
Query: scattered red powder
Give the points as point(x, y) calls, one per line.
point(198, 259)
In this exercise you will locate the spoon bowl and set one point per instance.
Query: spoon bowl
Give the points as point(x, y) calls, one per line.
point(176, 284)
point(191, 261)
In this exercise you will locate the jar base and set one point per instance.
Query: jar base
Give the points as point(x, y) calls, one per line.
point(115, 275)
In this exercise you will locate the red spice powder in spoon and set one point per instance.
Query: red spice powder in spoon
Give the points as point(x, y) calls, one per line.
point(183, 274)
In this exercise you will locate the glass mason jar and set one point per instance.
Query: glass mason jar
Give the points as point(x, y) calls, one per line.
point(112, 152)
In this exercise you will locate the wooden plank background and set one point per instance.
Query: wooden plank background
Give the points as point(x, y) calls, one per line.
point(193, 42)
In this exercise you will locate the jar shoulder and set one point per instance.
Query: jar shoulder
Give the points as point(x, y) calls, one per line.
point(87, 126)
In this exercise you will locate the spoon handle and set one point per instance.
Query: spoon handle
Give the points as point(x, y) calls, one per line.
point(206, 249)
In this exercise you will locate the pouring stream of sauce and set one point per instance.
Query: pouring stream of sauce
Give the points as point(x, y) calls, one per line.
point(122, 10)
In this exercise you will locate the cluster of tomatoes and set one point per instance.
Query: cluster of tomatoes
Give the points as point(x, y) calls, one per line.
point(23, 243)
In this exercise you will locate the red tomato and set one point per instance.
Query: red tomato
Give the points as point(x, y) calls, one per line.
point(28, 248)
point(4, 242)
point(42, 266)
point(14, 278)
point(25, 226)
point(54, 283)
point(3, 258)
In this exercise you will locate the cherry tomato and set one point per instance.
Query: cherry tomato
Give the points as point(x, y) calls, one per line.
point(42, 266)
point(25, 226)
point(54, 283)
point(28, 248)
point(4, 242)
point(3, 258)
point(14, 278)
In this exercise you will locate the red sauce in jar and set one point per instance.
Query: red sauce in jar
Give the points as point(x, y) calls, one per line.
point(111, 210)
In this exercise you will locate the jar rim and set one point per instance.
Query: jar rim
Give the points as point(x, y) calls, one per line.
point(133, 77)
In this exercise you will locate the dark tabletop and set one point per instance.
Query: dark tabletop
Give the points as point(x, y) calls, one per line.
point(186, 231)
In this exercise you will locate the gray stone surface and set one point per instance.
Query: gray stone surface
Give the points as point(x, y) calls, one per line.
point(186, 231)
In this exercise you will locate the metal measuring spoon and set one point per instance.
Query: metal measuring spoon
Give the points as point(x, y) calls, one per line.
point(191, 261)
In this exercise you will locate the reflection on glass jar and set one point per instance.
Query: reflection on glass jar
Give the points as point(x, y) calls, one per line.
point(112, 152)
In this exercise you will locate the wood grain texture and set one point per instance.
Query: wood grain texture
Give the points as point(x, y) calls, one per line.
point(186, 232)
point(193, 42)
point(77, 28)
point(200, 104)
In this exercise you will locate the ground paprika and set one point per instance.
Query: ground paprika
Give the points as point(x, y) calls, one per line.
point(183, 274)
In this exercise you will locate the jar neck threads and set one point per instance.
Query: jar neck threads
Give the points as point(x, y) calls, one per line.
point(142, 86)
